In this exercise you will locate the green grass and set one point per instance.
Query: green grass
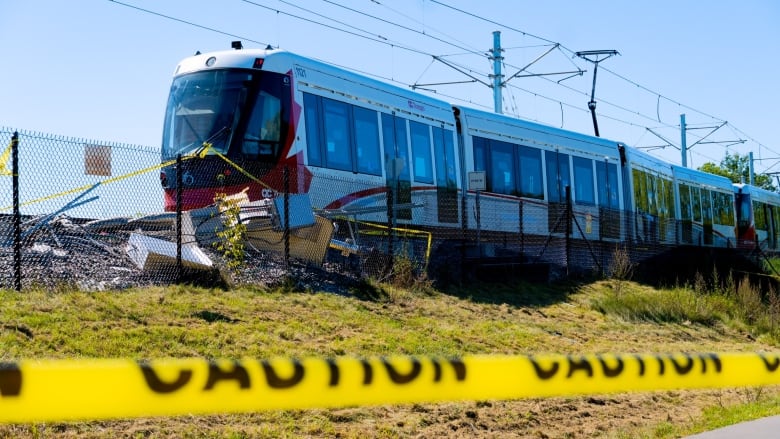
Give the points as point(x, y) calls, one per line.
point(674, 305)
point(738, 304)
point(381, 319)
point(756, 405)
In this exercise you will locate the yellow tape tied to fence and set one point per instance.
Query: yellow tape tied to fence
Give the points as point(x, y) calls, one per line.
point(63, 390)
point(4, 157)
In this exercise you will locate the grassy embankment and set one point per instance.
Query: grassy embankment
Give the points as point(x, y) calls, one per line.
point(613, 315)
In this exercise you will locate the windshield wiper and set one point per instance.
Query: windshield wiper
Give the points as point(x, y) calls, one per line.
point(224, 130)
point(200, 149)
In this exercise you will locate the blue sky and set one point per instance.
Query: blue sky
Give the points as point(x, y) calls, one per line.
point(99, 69)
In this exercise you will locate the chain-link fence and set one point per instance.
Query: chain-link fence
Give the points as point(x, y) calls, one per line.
point(90, 214)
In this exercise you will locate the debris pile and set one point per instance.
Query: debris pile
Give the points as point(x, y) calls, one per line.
point(121, 253)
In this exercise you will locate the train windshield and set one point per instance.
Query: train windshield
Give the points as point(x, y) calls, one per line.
point(204, 107)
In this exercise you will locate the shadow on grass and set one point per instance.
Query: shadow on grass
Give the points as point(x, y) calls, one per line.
point(682, 266)
point(517, 292)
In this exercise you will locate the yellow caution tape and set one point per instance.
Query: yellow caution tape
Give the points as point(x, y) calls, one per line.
point(429, 235)
point(64, 390)
point(106, 181)
point(4, 168)
point(208, 147)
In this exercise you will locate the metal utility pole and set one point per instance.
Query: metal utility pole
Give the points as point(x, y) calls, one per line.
point(498, 82)
point(683, 141)
point(594, 57)
point(752, 173)
point(497, 76)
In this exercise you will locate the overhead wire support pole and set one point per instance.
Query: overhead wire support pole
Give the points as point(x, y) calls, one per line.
point(497, 82)
point(587, 55)
point(497, 76)
point(683, 141)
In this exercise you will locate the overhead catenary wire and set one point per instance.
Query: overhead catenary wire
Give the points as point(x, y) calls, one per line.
point(372, 36)
point(659, 95)
point(200, 26)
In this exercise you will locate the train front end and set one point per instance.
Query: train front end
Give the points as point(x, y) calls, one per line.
point(230, 122)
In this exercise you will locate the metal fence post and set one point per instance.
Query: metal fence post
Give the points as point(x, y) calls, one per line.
point(390, 224)
point(521, 227)
point(17, 214)
point(568, 227)
point(286, 236)
point(179, 193)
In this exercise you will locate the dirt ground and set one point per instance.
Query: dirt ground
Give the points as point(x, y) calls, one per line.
point(624, 415)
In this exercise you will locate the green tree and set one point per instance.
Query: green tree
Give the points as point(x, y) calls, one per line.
point(737, 168)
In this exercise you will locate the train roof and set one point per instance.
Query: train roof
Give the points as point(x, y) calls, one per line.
point(757, 193)
point(320, 74)
point(538, 134)
point(700, 178)
point(650, 163)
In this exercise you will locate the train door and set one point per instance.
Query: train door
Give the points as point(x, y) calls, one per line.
point(609, 207)
point(759, 221)
point(707, 225)
point(776, 221)
point(697, 216)
point(397, 162)
point(686, 214)
point(558, 179)
point(746, 232)
point(770, 226)
point(446, 175)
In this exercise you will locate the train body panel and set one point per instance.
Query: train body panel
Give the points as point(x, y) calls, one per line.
point(648, 187)
point(384, 139)
point(532, 164)
point(705, 206)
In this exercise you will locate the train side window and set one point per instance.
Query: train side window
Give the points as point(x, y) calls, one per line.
point(668, 199)
point(759, 215)
point(686, 211)
point(446, 175)
point(480, 152)
point(652, 193)
point(313, 136)
point(395, 143)
point(776, 218)
point(501, 178)
point(338, 154)
point(718, 211)
point(367, 141)
point(557, 175)
point(640, 190)
point(421, 152)
point(444, 156)
point(584, 192)
point(530, 177)
point(696, 203)
point(728, 207)
point(607, 183)
point(706, 206)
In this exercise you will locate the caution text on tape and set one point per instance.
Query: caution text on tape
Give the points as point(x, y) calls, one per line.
point(62, 390)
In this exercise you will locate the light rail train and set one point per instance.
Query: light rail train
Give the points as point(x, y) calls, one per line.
point(267, 110)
